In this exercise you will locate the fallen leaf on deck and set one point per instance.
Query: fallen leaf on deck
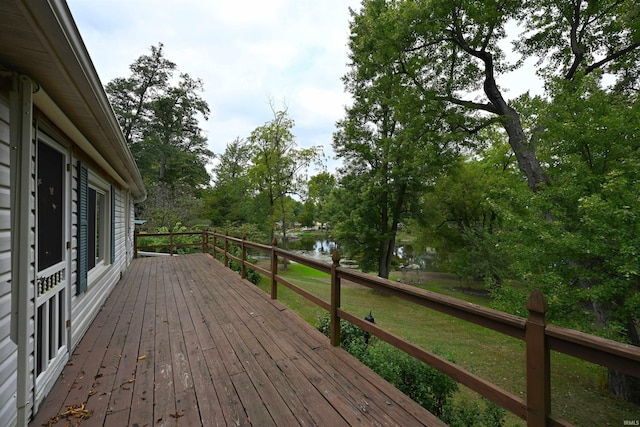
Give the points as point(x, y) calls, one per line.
point(77, 411)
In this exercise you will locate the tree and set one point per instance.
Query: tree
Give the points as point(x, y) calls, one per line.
point(131, 97)
point(160, 121)
point(593, 138)
point(390, 141)
point(174, 147)
point(320, 187)
point(278, 166)
point(465, 216)
point(228, 202)
point(450, 51)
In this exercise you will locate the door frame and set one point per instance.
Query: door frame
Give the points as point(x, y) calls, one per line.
point(44, 381)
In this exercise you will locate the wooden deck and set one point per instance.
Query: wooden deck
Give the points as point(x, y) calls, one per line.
point(183, 341)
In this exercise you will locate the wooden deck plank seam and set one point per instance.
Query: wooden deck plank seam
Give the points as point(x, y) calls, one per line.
point(185, 341)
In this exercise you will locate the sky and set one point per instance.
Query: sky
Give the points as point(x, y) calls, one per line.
point(246, 52)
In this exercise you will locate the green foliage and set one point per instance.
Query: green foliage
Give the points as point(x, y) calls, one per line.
point(351, 337)
point(277, 168)
point(169, 205)
point(463, 216)
point(319, 191)
point(193, 240)
point(469, 414)
point(228, 201)
point(427, 386)
point(390, 140)
point(251, 275)
point(160, 121)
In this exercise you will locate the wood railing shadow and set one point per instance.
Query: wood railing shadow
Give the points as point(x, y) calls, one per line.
point(540, 339)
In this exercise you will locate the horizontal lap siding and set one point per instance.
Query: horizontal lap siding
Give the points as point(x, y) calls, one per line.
point(121, 261)
point(130, 234)
point(84, 307)
point(8, 350)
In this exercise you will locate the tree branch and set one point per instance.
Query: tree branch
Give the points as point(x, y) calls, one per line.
point(481, 126)
point(611, 57)
point(468, 104)
point(577, 50)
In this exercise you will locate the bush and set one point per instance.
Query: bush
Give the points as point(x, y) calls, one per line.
point(351, 337)
point(252, 275)
point(427, 386)
point(465, 414)
point(165, 241)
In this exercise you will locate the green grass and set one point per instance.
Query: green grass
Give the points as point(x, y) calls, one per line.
point(578, 388)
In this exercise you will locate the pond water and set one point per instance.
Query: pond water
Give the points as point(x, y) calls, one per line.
point(313, 248)
point(322, 249)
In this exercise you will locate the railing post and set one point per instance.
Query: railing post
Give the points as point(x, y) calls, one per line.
point(171, 243)
point(135, 243)
point(538, 363)
point(335, 301)
point(274, 269)
point(226, 249)
point(243, 257)
point(205, 236)
point(215, 244)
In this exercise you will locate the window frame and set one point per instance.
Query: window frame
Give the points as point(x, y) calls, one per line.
point(102, 229)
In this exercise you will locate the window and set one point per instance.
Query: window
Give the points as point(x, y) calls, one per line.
point(96, 223)
point(95, 226)
point(50, 207)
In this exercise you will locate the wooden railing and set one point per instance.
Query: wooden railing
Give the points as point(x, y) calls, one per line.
point(540, 339)
point(172, 246)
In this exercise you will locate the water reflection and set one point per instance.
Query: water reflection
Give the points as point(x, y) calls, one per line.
point(321, 249)
point(313, 248)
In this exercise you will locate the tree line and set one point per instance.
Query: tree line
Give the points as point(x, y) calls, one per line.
point(534, 191)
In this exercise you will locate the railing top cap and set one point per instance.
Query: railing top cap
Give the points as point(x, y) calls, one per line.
point(537, 303)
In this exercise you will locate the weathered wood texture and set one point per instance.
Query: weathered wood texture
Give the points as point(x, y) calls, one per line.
point(184, 341)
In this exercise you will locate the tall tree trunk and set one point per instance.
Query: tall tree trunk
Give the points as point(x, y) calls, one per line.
point(285, 262)
point(163, 167)
point(387, 247)
point(622, 385)
point(524, 149)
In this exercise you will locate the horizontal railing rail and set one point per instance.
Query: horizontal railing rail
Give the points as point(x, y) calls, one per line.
point(540, 338)
point(172, 246)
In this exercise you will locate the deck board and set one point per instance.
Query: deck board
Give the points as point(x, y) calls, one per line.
point(184, 341)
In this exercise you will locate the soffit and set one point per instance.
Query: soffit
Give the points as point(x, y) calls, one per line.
point(40, 39)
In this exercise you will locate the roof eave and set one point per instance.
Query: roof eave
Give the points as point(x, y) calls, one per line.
point(74, 86)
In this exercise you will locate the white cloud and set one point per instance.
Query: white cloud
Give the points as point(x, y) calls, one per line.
point(245, 52)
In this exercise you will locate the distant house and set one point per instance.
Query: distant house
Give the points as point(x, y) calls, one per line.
point(68, 183)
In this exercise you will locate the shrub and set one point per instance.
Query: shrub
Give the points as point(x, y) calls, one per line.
point(252, 275)
point(427, 386)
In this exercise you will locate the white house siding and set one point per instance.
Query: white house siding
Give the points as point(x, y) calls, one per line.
point(131, 224)
point(121, 260)
point(84, 307)
point(8, 350)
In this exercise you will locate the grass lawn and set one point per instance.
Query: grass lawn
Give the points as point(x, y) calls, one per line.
point(578, 388)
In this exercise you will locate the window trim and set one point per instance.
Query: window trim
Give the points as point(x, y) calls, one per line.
point(88, 181)
point(102, 253)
